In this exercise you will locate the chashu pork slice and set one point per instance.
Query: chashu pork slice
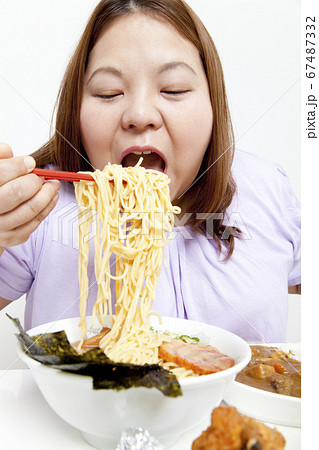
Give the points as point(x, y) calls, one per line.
point(203, 359)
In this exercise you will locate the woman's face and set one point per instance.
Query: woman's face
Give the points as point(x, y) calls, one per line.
point(146, 94)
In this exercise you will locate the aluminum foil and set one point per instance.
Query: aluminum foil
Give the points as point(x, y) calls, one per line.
point(138, 439)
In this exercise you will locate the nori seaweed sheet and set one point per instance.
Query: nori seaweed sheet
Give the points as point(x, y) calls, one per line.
point(55, 350)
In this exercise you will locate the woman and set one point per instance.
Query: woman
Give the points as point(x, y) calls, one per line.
point(146, 78)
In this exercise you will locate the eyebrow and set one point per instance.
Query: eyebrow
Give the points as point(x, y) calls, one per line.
point(106, 70)
point(163, 68)
point(175, 64)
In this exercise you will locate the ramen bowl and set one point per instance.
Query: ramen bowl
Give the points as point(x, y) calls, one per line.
point(102, 415)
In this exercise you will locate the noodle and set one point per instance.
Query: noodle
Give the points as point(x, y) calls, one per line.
point(134, 222)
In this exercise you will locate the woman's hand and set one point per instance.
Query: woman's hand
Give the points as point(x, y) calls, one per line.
point(25, 199)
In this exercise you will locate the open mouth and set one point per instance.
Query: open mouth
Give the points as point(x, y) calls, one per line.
point(151, 160)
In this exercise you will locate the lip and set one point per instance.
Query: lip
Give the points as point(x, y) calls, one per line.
point(146, 148)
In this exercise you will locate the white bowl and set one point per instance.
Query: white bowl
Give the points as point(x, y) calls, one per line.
point(267, 406)
point(102, 415)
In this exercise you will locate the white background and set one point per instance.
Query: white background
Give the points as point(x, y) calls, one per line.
point(258, 42)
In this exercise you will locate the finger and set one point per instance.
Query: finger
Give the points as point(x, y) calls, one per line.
point(19, 190)
point(11, 168)
point(21, 234)
point(31, 208)
point(5, 150)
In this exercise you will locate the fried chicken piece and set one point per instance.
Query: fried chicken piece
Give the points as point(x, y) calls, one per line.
point(201, 358)
point(257, 436)
point(224, 433)
point(229, 430)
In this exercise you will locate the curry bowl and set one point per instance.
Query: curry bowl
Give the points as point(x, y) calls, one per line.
point(102, 415)
point(267, 406)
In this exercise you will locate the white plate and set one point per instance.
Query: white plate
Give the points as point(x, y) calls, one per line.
point(267, 406)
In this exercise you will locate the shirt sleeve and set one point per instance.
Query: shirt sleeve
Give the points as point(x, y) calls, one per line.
point(16, 275)
point(292, 215)
point(18, 265)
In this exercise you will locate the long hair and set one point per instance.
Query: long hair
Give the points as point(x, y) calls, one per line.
point(214, 187)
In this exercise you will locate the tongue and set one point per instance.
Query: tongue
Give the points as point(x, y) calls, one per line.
point(151, 161)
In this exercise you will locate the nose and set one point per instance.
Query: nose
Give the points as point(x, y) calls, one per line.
point(141, 113)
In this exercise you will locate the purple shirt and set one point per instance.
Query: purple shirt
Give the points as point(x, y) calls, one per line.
point(247, 295)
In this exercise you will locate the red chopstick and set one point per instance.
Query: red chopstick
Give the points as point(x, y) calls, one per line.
point(62, 175)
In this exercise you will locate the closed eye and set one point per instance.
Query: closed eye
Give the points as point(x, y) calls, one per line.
point(176, 92)
point(107, 96)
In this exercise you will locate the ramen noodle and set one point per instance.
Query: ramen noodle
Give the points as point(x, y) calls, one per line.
point(135, 220)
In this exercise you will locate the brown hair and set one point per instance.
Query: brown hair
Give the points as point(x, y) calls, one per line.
point(65, 148)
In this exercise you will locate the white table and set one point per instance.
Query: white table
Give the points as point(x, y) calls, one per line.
point(27, 421)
